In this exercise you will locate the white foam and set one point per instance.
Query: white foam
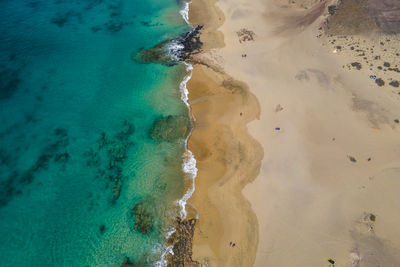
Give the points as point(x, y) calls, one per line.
point(189, 168)
point(189, 162)
point(185, 12)
point(174, 49)
point(183, 84)
point(163, 262)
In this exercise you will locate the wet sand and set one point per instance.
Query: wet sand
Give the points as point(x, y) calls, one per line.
point(327, 186)
point(227, 157)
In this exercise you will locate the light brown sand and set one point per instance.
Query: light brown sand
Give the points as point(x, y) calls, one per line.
point(227, 159)
point(311, 201)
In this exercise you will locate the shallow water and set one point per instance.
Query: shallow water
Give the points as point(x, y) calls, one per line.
point(76, 115)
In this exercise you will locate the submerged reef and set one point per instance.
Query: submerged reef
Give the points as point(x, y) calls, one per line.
point(111, 151)
point(170, 52)
point(143, 218)
point(15, 182)
point(171, 128)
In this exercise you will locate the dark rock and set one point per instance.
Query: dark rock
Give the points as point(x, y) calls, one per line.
point(352, 159)
point(171, 128)
point(356, 65)
point(380, 82)
point(386, 64)
point(332, 9)
point(156, 54)
point(396, 121)
point(182, 244)
point(372, 217)
point(170, 52)
point(394, 83)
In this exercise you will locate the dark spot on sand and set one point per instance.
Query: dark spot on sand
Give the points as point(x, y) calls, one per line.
point(372, 217)
point(356, 65)
point(352, 159)
point(386, 64)
point(394, 83)
point(396, 121)
point(380, 82)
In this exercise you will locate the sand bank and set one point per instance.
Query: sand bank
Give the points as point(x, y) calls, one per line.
point(330, 137)
point(328, 184)
point(226, 232)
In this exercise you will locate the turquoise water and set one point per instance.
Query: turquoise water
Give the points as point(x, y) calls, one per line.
point(75, 148)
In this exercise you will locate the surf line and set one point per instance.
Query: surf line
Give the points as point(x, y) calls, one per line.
point(189, 161)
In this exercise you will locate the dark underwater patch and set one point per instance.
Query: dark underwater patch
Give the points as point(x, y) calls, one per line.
point(15, 183)
point(170, 128)
point(143, 217)
point(9, 83)
point(33, 4)
point(62, 19)
point(109, 157)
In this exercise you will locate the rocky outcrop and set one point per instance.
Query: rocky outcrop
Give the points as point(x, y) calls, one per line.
point(182, 242)
point(170, 52)
point(364, 16)
point(386, 14)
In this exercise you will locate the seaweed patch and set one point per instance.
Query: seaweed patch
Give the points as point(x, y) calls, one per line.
point(10, 81)
point(111, 151)
point(15, 182)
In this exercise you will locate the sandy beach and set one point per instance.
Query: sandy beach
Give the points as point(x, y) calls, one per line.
point(296, 137)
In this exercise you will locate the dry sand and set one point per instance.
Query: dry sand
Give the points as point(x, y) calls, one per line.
point(330, 138)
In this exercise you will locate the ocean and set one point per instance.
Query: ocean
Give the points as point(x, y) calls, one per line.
point(92, 143)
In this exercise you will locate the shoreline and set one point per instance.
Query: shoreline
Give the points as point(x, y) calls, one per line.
point(227, 157)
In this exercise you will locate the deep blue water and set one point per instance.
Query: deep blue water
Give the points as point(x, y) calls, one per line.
point(75, 116)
